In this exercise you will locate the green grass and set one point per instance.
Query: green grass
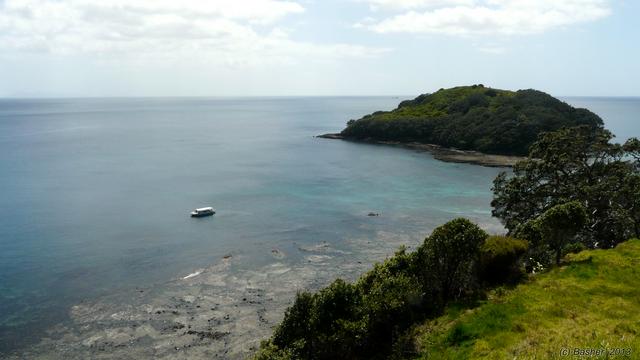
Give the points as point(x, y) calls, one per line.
point(591, 302)
point(439, 102)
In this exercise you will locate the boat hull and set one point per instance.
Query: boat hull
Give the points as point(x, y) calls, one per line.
point(199, 215)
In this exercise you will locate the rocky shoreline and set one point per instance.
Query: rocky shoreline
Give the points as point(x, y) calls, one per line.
point(219, 312)
point(443, 153)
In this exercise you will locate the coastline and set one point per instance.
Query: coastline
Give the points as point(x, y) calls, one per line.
point(222, 311)
point(442, 153)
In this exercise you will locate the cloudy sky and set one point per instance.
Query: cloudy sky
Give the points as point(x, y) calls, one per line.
point(59, 48)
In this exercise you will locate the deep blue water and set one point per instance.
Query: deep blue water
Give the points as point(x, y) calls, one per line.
point(95, 193)
point(621, 115)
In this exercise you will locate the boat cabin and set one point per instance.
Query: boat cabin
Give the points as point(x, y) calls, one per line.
point(201, 212)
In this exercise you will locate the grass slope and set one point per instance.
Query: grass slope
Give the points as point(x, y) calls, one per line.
point(592, 302)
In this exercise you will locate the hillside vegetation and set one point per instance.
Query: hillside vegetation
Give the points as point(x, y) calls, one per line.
point(591, 303)
point(454, 296)
point(472, 118)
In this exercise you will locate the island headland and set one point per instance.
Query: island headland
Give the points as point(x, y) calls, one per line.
point(469, 124)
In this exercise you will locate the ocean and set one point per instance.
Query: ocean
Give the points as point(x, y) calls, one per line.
point(95, 196)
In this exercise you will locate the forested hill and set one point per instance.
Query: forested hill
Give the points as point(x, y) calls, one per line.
point(472, 118)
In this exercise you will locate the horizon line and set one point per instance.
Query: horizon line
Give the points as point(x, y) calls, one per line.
point(71, 97)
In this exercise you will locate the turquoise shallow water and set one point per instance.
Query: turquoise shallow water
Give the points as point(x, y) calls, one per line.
point(95, 193)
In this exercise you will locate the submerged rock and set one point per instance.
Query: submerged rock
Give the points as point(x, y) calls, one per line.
point(277, 253)
point(223, 312)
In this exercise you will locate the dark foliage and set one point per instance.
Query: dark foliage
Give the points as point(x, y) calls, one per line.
point(574, 164)
point(573, 248)
point(473, 118)
point(539, 252)
point(323, 324)
point(500, 259)
point(559, 225)
point(448, 261)
point(366, 320)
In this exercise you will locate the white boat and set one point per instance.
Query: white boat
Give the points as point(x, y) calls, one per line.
point(202, 212)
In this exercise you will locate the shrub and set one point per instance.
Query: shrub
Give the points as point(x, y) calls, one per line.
point(365, 320)
point(269, 351)
point(448, 261)
point(560, 224)
point(321, 325)
point(391, 302)
point(390, 288)
point(336, 326)
point(551, 232)
point(500, 259)
point(406, 345)
point(296, 325)
point(539, 256)
point(574, 248)
point(390, 307)
point(530, 232)
point(350, 321)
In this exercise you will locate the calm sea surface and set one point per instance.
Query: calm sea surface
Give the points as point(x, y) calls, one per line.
point(95, 193)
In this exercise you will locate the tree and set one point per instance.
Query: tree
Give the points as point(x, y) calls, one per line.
point(296, 326)
point(579, 164)
point(560, 224)
point(448, 260)
point(323, 325)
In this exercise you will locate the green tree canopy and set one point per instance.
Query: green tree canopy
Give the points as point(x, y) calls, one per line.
point(449, 260)
point(575, 164)
point(473, 118)
point(559, 225)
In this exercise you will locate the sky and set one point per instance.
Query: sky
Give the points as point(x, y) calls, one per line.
point(93, 48)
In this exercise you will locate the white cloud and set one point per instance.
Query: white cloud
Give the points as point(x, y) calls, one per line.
point(230, 32)
point(414, 4)
point(507, 17)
